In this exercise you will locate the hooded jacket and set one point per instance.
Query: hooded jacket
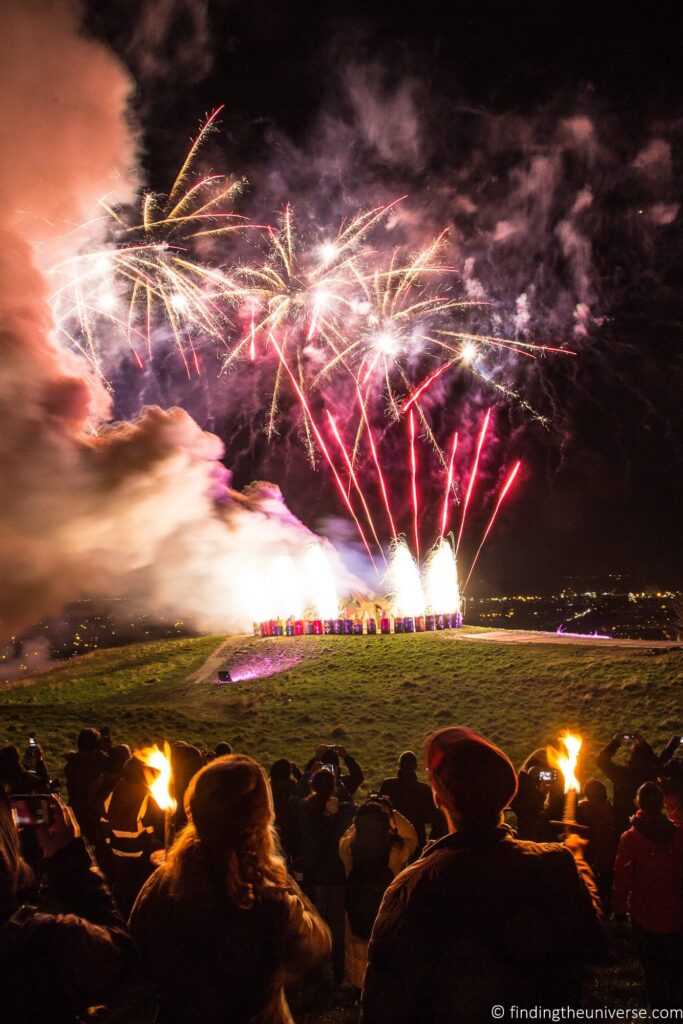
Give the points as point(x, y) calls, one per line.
point(480, 919)
point(648, 874)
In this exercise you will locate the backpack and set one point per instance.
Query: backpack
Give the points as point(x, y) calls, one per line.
point(365, 889)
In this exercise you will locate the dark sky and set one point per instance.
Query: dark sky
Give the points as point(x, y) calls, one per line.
point(601, 491)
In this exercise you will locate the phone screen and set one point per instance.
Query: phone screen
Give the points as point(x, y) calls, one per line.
point(330, 768)
point(29, 811)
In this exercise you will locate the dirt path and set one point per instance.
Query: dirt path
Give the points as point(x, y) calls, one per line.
point(206, 673)
point(523, 636)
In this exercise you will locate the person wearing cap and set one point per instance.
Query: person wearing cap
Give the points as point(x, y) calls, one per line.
point(482, 919)
point(221, 926)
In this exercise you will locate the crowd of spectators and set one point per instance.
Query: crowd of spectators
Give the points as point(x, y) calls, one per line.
point(427, 901)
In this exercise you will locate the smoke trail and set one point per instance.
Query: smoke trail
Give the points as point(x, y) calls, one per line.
point(141, 508)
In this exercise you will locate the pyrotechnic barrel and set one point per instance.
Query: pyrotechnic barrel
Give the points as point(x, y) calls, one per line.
point(357, 627)
point(409, 624)
point(399, 623)
point(419, 624)
point(430, 623)
point(385, 625)
point(328, 626)
point(318, 628)
point(371, 627)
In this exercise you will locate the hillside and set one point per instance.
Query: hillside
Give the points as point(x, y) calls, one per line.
point(375, 695)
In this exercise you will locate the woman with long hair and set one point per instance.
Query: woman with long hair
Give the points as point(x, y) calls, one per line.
point(221, 926)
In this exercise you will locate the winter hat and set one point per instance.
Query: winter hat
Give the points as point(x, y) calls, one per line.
point(478, 780)
point(227, 798)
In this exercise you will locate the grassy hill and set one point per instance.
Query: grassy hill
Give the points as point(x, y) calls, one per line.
point(375, 695)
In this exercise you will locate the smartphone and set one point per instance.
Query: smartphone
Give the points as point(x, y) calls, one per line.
point(628, 736)
point(330, 768)
point(30, 810)
point(548, 775)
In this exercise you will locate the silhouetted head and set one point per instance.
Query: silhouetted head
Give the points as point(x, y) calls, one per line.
point(595, 791)
point(118, 756)
point(10, 761)
point(280, 771)
point(88, 739)
point(323, 783)
point(407, 763)
point(650, 799)
point(223, 748)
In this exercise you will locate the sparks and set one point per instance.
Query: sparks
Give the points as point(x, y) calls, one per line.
point(501, 498)
point(449, 484)
point(473, 477)
point(413, 477)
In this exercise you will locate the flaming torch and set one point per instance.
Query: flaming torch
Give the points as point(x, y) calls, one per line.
point(567, 763)
point(159, 782)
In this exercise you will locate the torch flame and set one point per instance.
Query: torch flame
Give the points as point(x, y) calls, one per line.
point(567, 762)
point(159, 782)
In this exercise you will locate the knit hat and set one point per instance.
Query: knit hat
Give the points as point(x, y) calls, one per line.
point(479, 779)
point(227, 798)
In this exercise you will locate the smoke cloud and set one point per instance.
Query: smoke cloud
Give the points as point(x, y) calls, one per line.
point(140, 508)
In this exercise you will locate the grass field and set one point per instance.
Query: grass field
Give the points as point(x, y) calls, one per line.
point(374, 695)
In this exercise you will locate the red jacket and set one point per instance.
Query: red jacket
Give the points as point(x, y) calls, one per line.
point(648, 875)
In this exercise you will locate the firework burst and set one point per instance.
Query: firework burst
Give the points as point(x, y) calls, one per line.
point(147, 276)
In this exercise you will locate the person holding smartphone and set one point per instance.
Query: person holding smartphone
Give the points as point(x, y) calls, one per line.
point(54, 965)
point(642, 765)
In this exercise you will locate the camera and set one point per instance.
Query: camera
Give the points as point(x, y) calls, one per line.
point(30, 810)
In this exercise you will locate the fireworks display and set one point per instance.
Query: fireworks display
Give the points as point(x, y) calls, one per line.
point(333, 318)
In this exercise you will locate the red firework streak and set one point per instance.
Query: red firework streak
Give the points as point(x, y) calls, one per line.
point(413, 474)
point(449, 484)
point(426, 383)
point(323, 447)
point(501, 498)
point(354, 479)
point(375, 457)
point(473, 476)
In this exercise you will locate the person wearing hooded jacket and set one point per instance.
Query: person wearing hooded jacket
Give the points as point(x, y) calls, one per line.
point(481, 918)
point(54, 965)
point(221, 926)
point(648, 884)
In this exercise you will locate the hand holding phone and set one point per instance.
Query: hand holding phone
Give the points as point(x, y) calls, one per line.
point(62, 830)
point(30, 810)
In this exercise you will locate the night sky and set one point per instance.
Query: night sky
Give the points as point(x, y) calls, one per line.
point(601, 489)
